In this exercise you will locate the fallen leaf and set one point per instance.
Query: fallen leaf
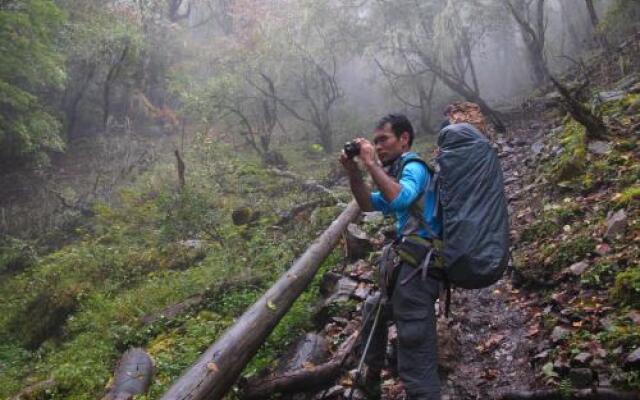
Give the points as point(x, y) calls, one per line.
point(271, 306)
point(491, 343)
point(533, 331)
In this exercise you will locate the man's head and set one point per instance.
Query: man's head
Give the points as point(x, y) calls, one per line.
point(392, 137)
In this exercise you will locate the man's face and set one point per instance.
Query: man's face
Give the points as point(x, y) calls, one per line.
point(388, 145)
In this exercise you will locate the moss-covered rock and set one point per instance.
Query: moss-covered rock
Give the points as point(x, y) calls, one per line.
point(572, 161)
point(626, 289)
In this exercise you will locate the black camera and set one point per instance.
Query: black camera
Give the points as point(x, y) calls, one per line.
point(351, 149)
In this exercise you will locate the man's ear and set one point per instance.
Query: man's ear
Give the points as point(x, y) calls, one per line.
point(405, 138)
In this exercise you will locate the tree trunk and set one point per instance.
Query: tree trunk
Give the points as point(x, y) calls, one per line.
point(596, 129)
point(600, 37)
point(595, 21)
point(106, 92)
point(219, 367)
point(181, 168)
point(72, 111)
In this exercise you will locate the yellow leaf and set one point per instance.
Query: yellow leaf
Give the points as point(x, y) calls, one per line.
point(213, 367)
point(271, 306)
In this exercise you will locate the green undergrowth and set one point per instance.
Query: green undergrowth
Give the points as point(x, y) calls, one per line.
point(70, 314)
point(586, 188)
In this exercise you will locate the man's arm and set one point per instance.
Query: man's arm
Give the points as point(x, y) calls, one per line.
point(387, 185)
point(361, 191)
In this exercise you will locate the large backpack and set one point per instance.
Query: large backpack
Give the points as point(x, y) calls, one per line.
point(475, 221)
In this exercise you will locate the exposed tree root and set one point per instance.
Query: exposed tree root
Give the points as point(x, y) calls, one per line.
point(300, 380)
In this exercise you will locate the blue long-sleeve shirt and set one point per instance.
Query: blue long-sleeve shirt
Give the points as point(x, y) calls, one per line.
point(414, 180)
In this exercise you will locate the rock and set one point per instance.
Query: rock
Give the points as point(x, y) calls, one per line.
point(333, 392)
point(358, 244)
point(241, 216)
point(552, 100)
point(606, 322)
point(510, 180)
point(541, 356)
point(311, 349)
point(344, 289)
point(328, 283)
point(537, 147)
point(340, 321)
point(578, 268)
point(582, 359)
point(506, 149)
point(599, 147)
point(520, 142)
point(581, 378)
point(337, 303)
point(633, 359)
point(628, 83)
point(559, 334)
point(616, 224)
point(605, 97)
point(192, 244)
point(374, 217)
point(561, 367)
point(634, 107)
point(634, 316)
point(357, 394)
point(362, 291)
point(603, 249)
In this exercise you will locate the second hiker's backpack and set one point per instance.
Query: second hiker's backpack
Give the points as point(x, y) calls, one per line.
point(475, 219)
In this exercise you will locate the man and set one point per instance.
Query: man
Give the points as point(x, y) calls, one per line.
point(411, 295)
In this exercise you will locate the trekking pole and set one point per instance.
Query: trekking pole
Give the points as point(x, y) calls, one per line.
point(344, 359)
point(366, 347)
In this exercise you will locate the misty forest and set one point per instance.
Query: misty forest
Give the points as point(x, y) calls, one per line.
point(175, 221)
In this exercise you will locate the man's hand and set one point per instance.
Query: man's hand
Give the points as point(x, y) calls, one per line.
point(367, 152)
point(359, 189)
point(349, 164)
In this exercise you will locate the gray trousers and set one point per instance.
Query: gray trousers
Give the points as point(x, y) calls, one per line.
point(412, 307)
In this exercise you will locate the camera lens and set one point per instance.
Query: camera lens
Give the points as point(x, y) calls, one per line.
point(351, 149)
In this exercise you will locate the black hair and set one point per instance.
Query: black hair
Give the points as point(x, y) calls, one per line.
point(399, 125)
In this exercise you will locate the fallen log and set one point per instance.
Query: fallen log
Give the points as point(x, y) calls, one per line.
point(35, 391)
point(300, 380)
point(217, 369)
point(132, 376)
point(305, 182)
point(287, 216)
point(584, 394)
point(173, 310)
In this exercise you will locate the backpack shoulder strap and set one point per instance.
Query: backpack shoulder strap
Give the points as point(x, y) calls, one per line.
point(417, 208)
point(410, 160)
